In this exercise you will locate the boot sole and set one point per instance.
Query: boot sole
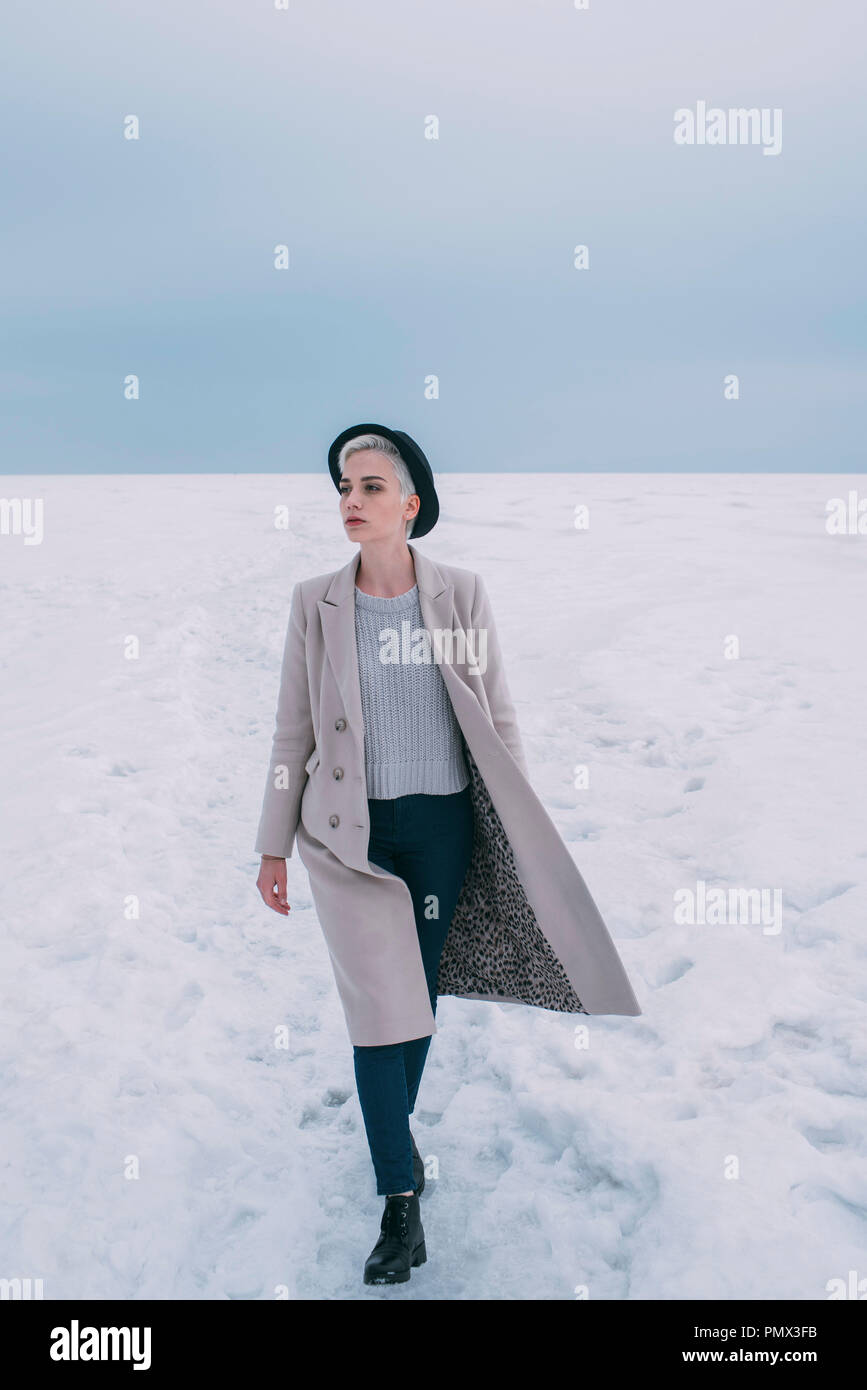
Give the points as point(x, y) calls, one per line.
point(419, 1257)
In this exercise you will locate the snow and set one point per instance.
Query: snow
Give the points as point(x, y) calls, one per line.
point(159, 1142)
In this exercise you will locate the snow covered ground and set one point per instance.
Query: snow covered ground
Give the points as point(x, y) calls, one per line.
point(156, 1143)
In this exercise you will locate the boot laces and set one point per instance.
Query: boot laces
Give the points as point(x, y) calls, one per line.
point(396, 1210)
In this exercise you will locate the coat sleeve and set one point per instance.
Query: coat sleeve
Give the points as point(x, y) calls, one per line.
point(496, 687)
point(293, 742)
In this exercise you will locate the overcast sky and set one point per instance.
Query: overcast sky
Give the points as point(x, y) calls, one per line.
point(415, 261)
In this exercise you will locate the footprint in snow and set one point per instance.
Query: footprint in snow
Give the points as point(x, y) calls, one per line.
point(183, 1009)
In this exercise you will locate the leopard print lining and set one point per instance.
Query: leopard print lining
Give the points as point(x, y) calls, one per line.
point(495, 946)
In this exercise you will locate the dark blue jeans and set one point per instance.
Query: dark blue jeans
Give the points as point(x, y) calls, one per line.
point(428, 842)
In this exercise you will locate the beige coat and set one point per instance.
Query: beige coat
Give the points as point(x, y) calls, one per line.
point(525, 929)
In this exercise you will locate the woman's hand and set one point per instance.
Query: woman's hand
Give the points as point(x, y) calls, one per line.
point(272, 883)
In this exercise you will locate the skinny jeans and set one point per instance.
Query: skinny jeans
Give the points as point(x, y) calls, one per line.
point(427, 841)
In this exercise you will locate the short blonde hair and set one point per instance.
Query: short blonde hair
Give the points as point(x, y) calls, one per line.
point(392, 453)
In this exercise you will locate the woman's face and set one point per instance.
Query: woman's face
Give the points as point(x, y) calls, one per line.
point(370, 502)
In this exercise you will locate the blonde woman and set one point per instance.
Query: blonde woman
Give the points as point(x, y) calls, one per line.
point(398, 766)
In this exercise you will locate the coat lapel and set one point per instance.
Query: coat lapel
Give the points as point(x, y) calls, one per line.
point(337, 613)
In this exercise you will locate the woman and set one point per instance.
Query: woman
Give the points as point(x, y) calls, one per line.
point(398, 765)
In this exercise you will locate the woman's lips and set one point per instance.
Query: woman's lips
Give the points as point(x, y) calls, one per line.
point(355, 521)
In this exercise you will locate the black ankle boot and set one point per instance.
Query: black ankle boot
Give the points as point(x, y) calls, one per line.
point(400, 1247)
point(417, 1168)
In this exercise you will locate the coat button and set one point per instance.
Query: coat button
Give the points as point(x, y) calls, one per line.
point(337, 774)
point(340, 724)
point(333, 821)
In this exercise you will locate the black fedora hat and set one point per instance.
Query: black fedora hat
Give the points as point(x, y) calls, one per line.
point(420, 471)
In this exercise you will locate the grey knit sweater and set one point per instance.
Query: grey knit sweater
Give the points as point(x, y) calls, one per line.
point(412, 739)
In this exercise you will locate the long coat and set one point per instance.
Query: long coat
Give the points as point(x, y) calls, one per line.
point(525, 928)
